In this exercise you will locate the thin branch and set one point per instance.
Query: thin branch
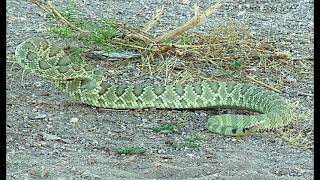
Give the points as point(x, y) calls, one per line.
point(266, 85)
point(50, 9)
point(131, 45)
point(41, 5)
point(132, 33)
point(154, 21)
point(63, 19)
point(195, 21)
point(190, 46)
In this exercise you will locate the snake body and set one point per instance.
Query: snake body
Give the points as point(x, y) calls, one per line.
point(87, 84)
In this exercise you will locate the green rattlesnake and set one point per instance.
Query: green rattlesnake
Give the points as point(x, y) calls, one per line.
point(87, 83)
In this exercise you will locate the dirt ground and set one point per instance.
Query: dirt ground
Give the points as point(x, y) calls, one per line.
point(50, 136)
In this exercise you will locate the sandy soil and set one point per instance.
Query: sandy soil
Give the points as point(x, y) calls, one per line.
point(49, 136)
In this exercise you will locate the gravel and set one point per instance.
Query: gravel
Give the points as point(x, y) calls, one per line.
point(49, 136)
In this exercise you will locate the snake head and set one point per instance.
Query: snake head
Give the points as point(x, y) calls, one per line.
point(28, 51)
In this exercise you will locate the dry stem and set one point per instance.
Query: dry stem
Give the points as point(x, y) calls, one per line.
point(54, 12)
point(132, 33)
point(266, 85)
point(195, 21)
point(63, 19)
point(120, 42)
point(154, 21)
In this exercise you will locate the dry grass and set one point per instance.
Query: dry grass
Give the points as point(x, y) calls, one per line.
point(228, 52)
point(301, 135)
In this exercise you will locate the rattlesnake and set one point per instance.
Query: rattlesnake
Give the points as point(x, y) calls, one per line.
point(86, 83)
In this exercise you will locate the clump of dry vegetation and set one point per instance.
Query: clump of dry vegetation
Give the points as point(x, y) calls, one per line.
point(225, 52)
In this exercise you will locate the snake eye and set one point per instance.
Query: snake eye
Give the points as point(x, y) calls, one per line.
point(31, 55)
point(234, 130)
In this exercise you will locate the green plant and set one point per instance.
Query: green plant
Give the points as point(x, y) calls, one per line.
point(90, 32)
point(192, 142)
point(167, 128)
point(129, 150)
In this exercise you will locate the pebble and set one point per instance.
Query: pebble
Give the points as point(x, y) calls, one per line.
point(61, 178)
point(161, 151)
point(190, 155)
point(74, 120)
point(38, 84)
point(95, 142)
point(40, 116)
point(185, 2)
point(89, 175)
point(231, 139)
point(291, 79)
point(50, 137)
point(111, 71)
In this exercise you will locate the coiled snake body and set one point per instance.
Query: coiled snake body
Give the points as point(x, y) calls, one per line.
point(86, 83)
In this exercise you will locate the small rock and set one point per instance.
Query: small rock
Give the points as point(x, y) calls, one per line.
point(111, 71)
point(40, 116)
point(161, 151)
point(74, 120)
point(185, 2)
point(281, 172)
point(44, 94)
point(233, 139)
point(131, 158)
point(40, 172)
point(61, 178)
point(38, 84)
point(203, 114)
point(168, 142)
point(90, 175)
point(50, 137)
point(190, 155)
point(241, 13)
point(291, 79)
point(144, 120)
point(21, 148)
point(42, 144)
point(95, 142)
point(56, 145)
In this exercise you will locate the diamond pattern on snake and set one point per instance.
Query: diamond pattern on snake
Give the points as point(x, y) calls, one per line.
point(86, 83)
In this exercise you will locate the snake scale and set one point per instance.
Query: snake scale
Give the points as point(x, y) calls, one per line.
point(87, 83)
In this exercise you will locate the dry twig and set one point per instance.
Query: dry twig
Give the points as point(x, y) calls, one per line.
point(63, 19)
point(50, 9)
point(154, 21)
point(195, 21)
point(266, 85)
